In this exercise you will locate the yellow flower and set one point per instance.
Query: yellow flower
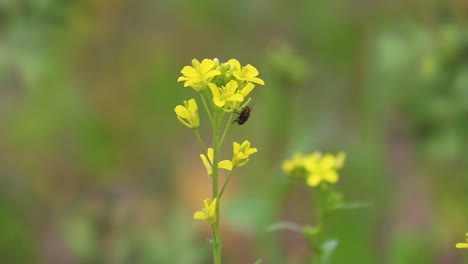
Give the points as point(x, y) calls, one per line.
point(323, 168)
point(199, 74)
point(463, 245)
point(226, 94)
point(208, 213)
point(188, 113)
point(247, 73)
point(207, 161)
point(242, 153)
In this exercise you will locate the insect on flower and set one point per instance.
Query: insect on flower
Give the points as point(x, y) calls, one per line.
point(243, 115)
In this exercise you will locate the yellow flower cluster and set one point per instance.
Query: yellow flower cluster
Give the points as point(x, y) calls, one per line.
point(463, 245)
point(315, 168)
point(241, 154)
point(225, 86)
point(229, 82)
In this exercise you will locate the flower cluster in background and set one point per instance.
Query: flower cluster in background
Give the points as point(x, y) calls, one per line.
point(315, 168)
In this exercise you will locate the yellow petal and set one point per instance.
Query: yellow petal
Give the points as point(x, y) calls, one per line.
point(235, 64)
point(210, 154)
point(231, 87)
point(207, 65)
point(235, 147)
point(313, 180)
point(206, 164)
point(247, 89)
point(199, 215)
point(251, 151)
point(214, 89)
point(330, 176)
point(189, 71)
point(256, 80)
point(225, 164)
point(461, 245)
point(328, 162)
point(181, 79)
point(236, 98)
point(192, 105)
point(182, 112)
point(250, 70)
point(212, 74)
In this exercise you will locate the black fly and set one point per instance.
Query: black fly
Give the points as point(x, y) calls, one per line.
point(243, 116)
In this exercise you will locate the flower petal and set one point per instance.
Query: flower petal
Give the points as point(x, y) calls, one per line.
point(461, 245)
point(182, 112)
point(199, 215)
point(189, 71)
point(247, 89)
point(330, 176)
point(235, 64)
point(236, 98)
point(313, 180)
point(225, 164)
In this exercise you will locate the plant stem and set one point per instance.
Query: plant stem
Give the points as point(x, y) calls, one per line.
point(200, 141)
point(202, 95)
point(225, 183)
point(228, 124)
point(216, 225)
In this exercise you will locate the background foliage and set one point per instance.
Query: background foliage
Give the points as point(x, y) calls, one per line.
point(95, 168)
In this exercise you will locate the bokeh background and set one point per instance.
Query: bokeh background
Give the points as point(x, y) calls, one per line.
point(95, 168)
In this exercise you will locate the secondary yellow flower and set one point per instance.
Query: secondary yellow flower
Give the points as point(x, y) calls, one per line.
point(223, 95)
point(208, 213)
point(323, 169)
point(463, 245)
point(199, 74)
point(247, 73)
point(188, 113)
point(242, 153)
point(207, 161)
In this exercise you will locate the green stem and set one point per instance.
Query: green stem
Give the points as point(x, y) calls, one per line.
point(200, 141)
point(225, 183)
point(202, 95)
point(229, 123)
point(214, 177)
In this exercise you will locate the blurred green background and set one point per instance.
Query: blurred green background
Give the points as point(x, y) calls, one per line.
point(95, 167)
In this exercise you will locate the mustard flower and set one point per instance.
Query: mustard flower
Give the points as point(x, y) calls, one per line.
point(207, 161)
point(323, 169)
point(463, 245)
point(247, 73)
point(208, 213)
point(199, 74)
point(242, 153)
point(223, 95)
point(188, 114)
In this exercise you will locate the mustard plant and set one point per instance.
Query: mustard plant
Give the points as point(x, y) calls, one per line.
point(320, 172)
point(223, 90)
